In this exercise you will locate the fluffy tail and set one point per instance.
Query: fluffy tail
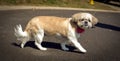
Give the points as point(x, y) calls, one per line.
point(19, 33)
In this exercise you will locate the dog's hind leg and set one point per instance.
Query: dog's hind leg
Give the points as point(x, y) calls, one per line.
point(39, 38)
point(24, 41)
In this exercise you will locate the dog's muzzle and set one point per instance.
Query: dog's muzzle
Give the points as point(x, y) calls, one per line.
point(86, 23)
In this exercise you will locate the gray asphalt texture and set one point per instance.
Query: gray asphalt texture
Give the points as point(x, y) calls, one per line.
point(102, 42)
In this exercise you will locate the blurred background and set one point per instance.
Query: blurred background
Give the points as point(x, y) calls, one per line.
point(89, 4)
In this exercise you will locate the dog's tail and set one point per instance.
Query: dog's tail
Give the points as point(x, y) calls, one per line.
point(19, 33)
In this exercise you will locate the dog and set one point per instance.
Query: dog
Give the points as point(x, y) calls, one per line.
point(70, 28)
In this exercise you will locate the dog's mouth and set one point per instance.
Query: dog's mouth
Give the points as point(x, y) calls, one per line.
point(85, 26)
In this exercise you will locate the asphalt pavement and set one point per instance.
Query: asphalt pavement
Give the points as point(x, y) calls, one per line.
point(102, 42)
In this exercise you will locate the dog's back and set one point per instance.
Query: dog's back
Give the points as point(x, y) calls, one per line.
point(50, 24)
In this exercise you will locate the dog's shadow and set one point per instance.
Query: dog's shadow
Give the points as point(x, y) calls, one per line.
point(107, 26)
point(48, 45)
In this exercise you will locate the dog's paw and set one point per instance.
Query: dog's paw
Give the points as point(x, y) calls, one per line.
point(22, 45)
point(43, 48)
point(65, 49)
point(83, 51)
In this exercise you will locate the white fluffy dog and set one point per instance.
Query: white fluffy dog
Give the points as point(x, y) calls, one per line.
point(52, 25)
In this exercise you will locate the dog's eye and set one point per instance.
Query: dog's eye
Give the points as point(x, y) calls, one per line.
point(82, 20)
point(89, 20)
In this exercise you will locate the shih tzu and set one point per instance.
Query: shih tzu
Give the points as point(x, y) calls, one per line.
point(70, 28)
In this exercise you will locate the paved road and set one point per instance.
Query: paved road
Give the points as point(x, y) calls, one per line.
point(102, 42)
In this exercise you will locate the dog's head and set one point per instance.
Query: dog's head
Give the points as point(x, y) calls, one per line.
point(84, 20)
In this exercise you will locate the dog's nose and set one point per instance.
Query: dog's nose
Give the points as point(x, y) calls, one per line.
point(86, 23)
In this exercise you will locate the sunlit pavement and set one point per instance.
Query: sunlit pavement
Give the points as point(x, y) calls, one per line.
point(101, 42)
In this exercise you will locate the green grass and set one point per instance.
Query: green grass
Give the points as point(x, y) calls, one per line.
point(56, 3)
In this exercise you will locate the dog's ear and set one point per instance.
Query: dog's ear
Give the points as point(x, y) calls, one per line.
point(73, 19)
point(76, 17)
point(94, 20)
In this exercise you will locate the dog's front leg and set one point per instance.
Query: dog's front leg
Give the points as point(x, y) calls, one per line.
point(63, 46)
point(72, 37)
point(77, 44)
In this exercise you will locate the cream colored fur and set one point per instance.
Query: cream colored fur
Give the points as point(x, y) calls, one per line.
point(52, 25)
